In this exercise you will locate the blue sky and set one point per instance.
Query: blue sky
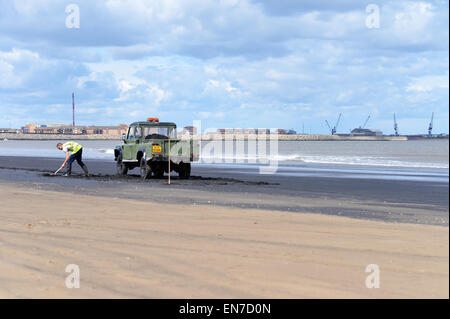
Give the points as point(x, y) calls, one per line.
point(229, 63)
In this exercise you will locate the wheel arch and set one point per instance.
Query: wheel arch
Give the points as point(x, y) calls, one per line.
point(141, 153)
point(117, 153)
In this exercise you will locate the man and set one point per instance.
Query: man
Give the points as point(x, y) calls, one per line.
point(76, 151)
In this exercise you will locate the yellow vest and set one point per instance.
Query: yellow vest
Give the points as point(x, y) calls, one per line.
point(72, 147)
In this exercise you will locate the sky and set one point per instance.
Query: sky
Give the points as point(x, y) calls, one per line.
point(230, 63)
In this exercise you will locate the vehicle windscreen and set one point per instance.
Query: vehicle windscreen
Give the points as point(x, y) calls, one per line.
point(134, 132)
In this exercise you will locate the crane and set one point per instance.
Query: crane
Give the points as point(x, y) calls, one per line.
point(334, 129)
point(365, 123)
point(395, 126)
point(329, 126)
point(430, 126)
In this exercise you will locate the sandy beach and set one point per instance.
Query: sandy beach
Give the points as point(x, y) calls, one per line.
point(135, 249)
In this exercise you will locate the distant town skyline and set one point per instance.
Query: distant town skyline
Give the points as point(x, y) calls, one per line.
point(229, 63)
point(303, 130)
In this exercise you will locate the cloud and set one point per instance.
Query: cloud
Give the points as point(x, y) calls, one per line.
point(289, 7)
point(206, 28)
point(230, 62)
point(15, 67)
point(429, 83)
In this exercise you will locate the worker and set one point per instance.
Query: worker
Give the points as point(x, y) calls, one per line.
point(74, 152)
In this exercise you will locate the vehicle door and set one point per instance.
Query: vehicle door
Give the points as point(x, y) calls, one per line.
point(131, 142)
point(137, 142)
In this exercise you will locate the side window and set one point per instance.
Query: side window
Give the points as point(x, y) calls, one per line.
point(131, 132)
point(138, 132)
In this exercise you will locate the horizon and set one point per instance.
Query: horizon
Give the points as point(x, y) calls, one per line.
point(205, 130)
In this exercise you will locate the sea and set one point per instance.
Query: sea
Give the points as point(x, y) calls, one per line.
point(405, 160)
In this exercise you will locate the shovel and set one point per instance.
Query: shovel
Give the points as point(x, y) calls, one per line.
point(57, 171)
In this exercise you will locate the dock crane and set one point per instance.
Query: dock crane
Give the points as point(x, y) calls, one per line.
point(430, 126)
point(395, 126)
point(334, 129)
point(365, 123)
point(328, 124)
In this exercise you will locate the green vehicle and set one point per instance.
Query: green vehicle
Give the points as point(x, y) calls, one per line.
point(146, 145)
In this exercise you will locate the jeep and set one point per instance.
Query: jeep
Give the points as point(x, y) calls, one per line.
point(146, 145)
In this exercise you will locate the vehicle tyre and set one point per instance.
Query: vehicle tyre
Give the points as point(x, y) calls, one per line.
point(159, 172)
point(184, 171)
point(121, 167)
point(145, 170)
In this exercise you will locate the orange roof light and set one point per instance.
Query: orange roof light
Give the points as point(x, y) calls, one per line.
point(153, 119)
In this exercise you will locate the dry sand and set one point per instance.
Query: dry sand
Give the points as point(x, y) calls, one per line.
point(131, 249)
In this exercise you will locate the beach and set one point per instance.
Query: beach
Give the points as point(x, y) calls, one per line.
point(222, 234)
point(134, 249)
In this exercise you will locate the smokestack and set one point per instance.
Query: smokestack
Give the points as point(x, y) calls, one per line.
point(73, 109)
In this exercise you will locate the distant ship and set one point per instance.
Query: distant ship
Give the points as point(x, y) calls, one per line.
point(365, 132)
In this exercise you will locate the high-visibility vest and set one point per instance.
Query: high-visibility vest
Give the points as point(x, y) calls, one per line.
point(72, 147)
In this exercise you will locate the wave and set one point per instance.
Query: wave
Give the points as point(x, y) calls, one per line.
point(106, 151)
point(370, 161)
point(314, 159)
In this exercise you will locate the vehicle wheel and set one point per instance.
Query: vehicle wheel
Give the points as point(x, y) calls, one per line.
point(121, 167)
point(145, 169)
point(184, 170)
point(159, 172)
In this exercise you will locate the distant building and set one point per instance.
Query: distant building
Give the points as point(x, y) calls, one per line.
point(285, 132)
point(239, 131)
point(9, 130)
point(107, 130)
point(250, 131)
point(263, 131)
point(76, 130)
point(365, 132)
point(191, 130)
point(44, 128)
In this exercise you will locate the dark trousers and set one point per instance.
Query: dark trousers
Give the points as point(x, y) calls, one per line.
point(75, 157)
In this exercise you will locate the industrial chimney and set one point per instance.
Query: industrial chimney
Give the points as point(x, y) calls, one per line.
point(73, 109)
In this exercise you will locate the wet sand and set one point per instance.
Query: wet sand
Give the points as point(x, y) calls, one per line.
point(221, 234)
point(397, 201)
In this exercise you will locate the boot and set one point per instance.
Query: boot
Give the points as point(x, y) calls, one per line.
point(68, 170)
point(85, 169)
